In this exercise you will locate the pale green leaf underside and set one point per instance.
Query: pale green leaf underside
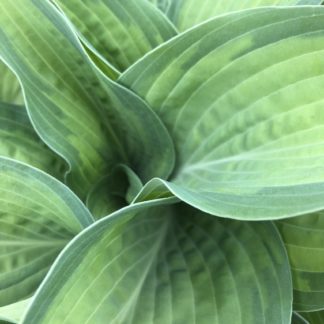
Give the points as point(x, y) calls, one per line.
point(120, 31)
point(168, 265)
point(188, 13)
point(13, 313)
point(89, 120)
point(242, 97)
point(10, 91)
point(38, 216)
point(19, 141)
point(304, 240)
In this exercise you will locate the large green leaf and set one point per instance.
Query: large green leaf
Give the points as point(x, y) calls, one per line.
point(120, 31)
point(168, 264)
point(85, 117)
point(38, 216)
point(187, 13)
point(242, 97)
point(19, 141)
point(9, 86)
point(304, 240)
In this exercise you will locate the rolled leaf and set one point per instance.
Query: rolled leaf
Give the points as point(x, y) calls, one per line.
point(242, 97)
point(168, 264)
point(38, 217)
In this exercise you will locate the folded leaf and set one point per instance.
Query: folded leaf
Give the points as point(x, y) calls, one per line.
point(38, 216)
point(171, 264)
point(304, 240)
point(9, 86)
point(88, 119)
point(242, 97)
point(114, 191)
point(19, 141)
point(187, 13)
point(120, 31)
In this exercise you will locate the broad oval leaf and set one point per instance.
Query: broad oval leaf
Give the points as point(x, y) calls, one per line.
point(19, 141)
point(119, 31)
point(242, 97)
point(304, 240)
point(88, 119)
point(38, 216)
point(170, 264)
point(188, 13)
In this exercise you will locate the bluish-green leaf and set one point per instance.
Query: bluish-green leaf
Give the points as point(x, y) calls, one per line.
point(38, 217)
point(171, 264)
point(19, 141)
point(88, 119)
point(119, 31)
point(242, 97)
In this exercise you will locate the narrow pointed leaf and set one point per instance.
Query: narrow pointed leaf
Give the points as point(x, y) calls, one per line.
point(19, 141)
point(38, 216)
point(242, 97)
point(187, 13)
point(88, 119)
point(10, 90)
point(304, 240)
point(168, 265)
point(119, 31)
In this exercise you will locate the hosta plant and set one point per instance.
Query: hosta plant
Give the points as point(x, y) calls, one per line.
point(161, 162)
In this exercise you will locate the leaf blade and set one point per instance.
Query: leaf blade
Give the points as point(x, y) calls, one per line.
point(161, 255)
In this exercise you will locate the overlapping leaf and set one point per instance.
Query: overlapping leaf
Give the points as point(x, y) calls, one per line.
point(168, 264)
point(38, 216)
point(89, 120)
point(187, 13)
point(120, 31)
point(18, 140)
point(304, 240)
point(242, 97)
